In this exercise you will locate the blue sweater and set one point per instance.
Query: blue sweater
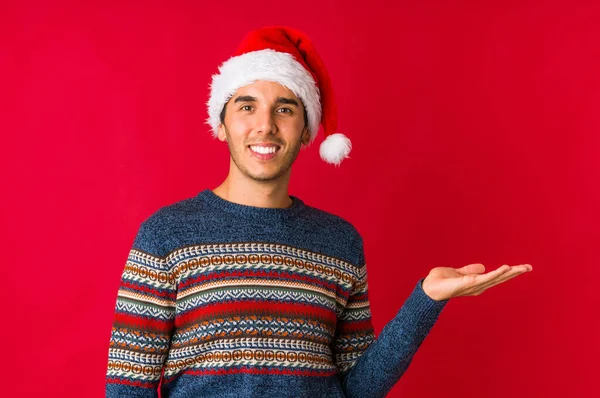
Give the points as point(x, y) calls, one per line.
point(231, 300)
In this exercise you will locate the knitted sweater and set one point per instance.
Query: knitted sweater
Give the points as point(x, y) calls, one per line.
point(231, 300)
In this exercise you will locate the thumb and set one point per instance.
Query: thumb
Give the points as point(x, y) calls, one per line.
point(476, 268)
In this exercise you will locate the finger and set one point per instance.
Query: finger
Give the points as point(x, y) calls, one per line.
point(474, 282)
point(495, 277)
point(476, 268)
point(490, 276)
point(511, 273)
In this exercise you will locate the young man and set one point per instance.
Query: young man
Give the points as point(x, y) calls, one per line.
point(246, 291)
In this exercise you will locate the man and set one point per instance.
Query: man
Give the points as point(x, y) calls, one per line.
point(246, 291)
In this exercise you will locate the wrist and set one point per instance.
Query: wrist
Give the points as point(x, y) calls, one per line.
point(425, 287)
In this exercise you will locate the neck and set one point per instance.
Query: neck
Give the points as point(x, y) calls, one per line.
point(273, 194)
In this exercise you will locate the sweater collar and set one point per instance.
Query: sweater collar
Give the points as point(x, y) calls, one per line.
point(212, 199)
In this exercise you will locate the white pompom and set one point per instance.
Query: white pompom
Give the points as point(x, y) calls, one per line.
point(335, 148)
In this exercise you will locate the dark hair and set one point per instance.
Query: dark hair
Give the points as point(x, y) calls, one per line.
point(222, 115)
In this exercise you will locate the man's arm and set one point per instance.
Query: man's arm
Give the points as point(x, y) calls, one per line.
point(370, 366)
point(143, 321)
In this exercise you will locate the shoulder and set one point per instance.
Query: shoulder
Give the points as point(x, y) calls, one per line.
point(171, 215)
point(331, 220)
point(157, 229)
point(338, 230)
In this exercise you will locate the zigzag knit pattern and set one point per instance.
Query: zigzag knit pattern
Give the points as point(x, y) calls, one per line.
point(220, 299)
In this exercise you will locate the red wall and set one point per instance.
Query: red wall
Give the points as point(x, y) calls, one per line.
point(475, 131)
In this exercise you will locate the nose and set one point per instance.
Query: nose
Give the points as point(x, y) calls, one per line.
point(265, 122)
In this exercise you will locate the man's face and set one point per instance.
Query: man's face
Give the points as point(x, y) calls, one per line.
point(260, 118)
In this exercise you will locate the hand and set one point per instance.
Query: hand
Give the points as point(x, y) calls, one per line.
point(444, 283)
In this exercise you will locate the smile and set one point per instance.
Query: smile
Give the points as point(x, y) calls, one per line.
point(263, 152)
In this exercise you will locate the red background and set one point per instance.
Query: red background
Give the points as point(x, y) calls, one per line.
point(475, 132)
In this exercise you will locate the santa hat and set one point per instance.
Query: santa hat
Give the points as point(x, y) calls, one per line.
point(286, 56)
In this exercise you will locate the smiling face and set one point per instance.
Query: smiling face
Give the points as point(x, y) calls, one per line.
point(264, 127)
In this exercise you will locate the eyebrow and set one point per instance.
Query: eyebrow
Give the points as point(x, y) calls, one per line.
point(280, 100)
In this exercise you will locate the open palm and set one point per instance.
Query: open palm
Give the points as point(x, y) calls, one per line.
point(444, 283)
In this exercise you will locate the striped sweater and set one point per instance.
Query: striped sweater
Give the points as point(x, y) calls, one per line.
point(220, 299)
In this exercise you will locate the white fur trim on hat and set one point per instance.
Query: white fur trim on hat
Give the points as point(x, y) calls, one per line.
point(269, 65)
point(335, 148)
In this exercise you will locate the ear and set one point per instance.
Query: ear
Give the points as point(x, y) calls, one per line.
point(305, 136)
point(221, 132)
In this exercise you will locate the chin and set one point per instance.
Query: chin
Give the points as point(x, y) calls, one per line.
point(266, 176)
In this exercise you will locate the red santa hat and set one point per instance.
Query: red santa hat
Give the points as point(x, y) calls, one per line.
point(286, 56)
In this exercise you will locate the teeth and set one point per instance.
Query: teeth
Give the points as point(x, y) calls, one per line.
point(264, 150)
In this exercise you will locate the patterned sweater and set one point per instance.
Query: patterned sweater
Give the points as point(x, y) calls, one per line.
point(231, 300)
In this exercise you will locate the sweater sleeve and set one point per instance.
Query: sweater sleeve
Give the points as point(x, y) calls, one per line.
point(370, 366)
point(143, 320)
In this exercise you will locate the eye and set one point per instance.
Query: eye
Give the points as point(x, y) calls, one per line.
point(287, 109)
point(246, 106)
